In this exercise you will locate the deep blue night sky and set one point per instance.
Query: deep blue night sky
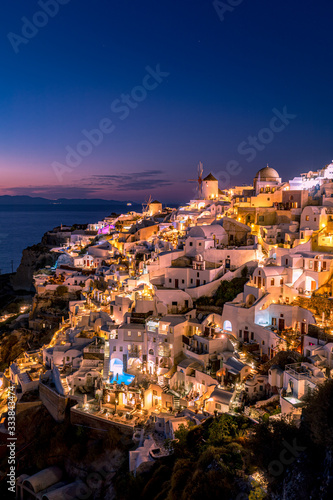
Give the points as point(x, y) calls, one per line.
point(225, 78)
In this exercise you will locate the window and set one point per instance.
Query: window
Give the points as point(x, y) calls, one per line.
point(174, 303)
point(315, 218)
point(114, 348)
point(310, 264)
point(281, 281)
point(198, 274)
point(121, 348)
point(261, 388)
point(272, 282)
point(129, 334)
point(191, 243)
point(240, 334)
point(274, 321)
point(183, 281)
point(324, 265)
point(218, 406)
point(307, 217)
point(261, 218)
point(199, 244)
point(287, 261)
point(170, 280)
point(139, 334)
point(191, 280)
point(263, 342)
point(154, 393)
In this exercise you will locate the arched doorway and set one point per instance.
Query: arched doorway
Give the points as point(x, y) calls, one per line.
point(227, 326)
point(250, 300)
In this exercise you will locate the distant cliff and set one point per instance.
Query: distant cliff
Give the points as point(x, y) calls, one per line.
point(33, 258)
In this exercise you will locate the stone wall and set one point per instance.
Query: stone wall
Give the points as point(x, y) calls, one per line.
point(55, 404)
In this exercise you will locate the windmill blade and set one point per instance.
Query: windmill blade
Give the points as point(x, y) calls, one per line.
point(200, 170)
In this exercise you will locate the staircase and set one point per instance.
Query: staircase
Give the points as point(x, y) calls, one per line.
point(176, 402)
point(106, 363)
point(65, 386)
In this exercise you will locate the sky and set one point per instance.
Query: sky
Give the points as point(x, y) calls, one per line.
point(121, 100)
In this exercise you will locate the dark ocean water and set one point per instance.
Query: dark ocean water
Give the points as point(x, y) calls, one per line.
point(23, 226)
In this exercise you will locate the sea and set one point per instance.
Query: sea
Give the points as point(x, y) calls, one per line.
point(23, 226)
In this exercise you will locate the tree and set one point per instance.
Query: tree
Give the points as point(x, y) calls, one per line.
point(61, 290)
point(318, 414)
point(244, 272)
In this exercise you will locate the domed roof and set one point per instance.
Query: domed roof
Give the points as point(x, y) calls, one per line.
point(267, 173)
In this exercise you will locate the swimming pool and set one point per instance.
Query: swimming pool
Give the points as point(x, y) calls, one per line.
point(122, 377)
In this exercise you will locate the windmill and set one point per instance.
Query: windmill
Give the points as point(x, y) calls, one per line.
point(199, 180)
point(145, 205)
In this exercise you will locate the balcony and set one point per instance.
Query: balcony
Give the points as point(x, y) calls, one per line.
point(134, 353)
point(299, 371)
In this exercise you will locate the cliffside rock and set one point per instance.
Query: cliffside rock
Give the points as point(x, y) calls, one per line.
point(33, 259)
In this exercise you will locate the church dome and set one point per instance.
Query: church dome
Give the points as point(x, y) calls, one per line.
point(267, 174)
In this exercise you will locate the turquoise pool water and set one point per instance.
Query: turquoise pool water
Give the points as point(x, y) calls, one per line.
point(122, 377)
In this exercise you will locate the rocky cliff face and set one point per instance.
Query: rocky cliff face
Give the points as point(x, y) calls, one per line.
point(33, 258)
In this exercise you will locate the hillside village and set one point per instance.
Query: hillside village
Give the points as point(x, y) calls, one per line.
point(223, 305)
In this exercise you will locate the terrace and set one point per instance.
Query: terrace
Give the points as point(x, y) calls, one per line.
point(300, 371)
point(121, 418)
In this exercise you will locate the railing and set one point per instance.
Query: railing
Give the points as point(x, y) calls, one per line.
point(298, 371)
point(134, 354)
